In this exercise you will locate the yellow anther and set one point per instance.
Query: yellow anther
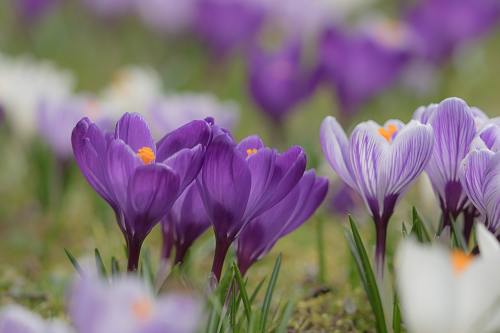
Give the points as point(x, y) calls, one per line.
point(142, 309)
point(388, 132)
point(460, 261)
point(146, 154)
point(251, 151)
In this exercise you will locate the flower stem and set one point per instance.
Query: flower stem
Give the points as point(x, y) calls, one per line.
point(381, 234)
point(134, 254)
point(221, 248)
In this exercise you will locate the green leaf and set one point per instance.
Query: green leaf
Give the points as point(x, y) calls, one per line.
point(115, 267)
point(321, 251)
point(285, 318)
point(73, 261)
point(396, 316)
point(256, 290)
point(148, 267)
point(99, 263)
point(418, 228)
point(269, 294)
point(243, 292)
point(365, 270)
point(458, 237)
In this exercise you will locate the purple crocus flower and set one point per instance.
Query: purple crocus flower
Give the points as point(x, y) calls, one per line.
point(480, 176)
point(170, 17)
point(441, 26)
point(379, 163)
point(227, 24)
point(32, 10)
point(138, 179)
point(185, 222)
point(455, 128)
point(17, 319)
point(344, 200)
point(241, 181)
point(358, 66)
point(128, 306)
point(259, 236)
point(278, 81)
point(110, 8)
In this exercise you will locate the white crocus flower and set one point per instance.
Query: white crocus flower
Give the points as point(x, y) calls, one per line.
point(24, 82)
point(16, 319)
point(443, 291)
point(132, 89)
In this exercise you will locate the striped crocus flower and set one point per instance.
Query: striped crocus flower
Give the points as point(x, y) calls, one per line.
point(480, 176)
point(379, 162)
point(455, 126)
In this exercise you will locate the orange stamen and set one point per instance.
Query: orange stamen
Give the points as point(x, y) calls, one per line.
point(460, 261)
point(388, 132)
point(142, 309)
point(251, 151)
point(146, 154)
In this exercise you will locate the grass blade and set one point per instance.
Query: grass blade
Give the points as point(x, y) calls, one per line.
point(418, 228)
point(321, 251)
point(285, 318)
point(243, 292)
point(396, 317)
point(99, 263)
point(367, 277)
point(269, 294)
point(115, 267)
point(256, 290)
point(73, 261)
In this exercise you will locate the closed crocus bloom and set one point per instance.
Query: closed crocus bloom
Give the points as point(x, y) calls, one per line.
point(358, 66)
point(259, 236)
point(31, 11)
point(240, 181)
point(454, 131)
point(443, 291)
point(441, 26)
point(16, 319)
point(379, 163)
point(278, 81)
point(185, 222)
point(128, 306)
point(138, 178)
point(227, 24)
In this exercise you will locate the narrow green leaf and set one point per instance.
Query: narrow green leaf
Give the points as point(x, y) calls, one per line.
point(256, 290)
point(418, 228)
point(115, 267)
point(99, 263)
point(321, 251)
point(73, 261)
point(243, 292)
point(396, 316)
point(148, 267)
point(367, 276)
point(285, 318)
point(269, 294)
point(458, 237)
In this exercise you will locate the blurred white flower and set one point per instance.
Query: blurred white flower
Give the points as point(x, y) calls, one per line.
point(16, 319)
point(444, 291)
point(132, 89)
point(173, 111)
point(24, 82)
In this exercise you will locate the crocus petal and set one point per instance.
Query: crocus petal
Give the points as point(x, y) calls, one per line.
point(225, 187)
point(151, 192)
point(335, 145)
point(133, 130)
point(187, 163)
point(490, 135)
point(367, 147)
point(406, 159)
point(188, 136)
point(473, 171)
point(492, 192)
point(89, 148)
point(454, 130)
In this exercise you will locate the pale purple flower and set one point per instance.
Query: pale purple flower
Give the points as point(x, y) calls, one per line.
point(379, 163)
point(170, 17)
point(455, 128)
point(127, 305)
point(31, 11)
point(17, 319)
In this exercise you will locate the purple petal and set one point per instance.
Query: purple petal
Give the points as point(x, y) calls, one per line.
point(225, 187)
point(187, 163)
point(133, 130)
point(490, 135)
point(335, 146)
point(188, 136)
point(250, 143)
point(492, 192)
point(152, 191)
point(473, 172)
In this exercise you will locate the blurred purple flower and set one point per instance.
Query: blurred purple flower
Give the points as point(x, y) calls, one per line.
point(16, 319)
point(358, 66)
point(439, 27)
point(139, 180)
point(379, 163)
point(259, 236)
point(110, 8)
point(185, 222)
point(66, 113)
point(228, 24)
point(344, 200)
point(278, 81)
point(240, 182)
point(167, 16)
point(32, 11)
point(455, 128)
point(128, 306)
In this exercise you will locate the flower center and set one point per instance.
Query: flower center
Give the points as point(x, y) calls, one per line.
point(460, 261)
point(146, 154)
point(142, 309)
point(388, 132)
point(251, 151)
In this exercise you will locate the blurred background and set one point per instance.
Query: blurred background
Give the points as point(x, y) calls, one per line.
point(273, 68)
